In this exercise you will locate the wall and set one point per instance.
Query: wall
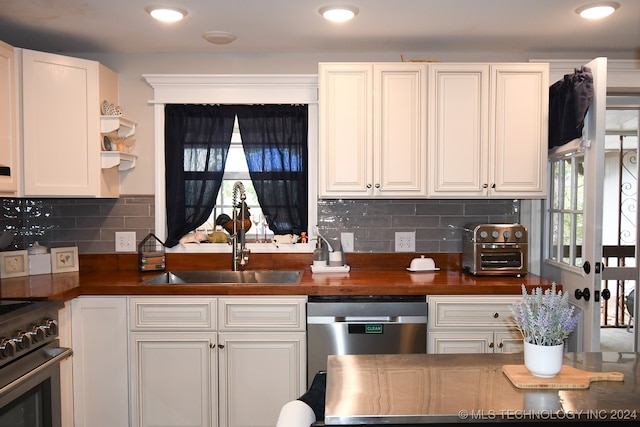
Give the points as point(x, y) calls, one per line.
point(90, 224)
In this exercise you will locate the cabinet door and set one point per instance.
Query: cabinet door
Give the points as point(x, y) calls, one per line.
point(509, 342)
point(61, 130)
point(8, 123)
point(518, 130)
point(259, 373)
point(460, 342)
point(173, 379)
point(345, 118)
point(100, 355)
point(458, 130)
point(399, 135)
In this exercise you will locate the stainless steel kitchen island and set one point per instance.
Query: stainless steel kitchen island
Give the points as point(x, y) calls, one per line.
point(472, 388)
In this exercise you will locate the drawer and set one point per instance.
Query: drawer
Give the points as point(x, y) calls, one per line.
point(262, 313)
point(173, 314)
point(471, 312)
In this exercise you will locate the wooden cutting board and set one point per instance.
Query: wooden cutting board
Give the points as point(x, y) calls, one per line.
point(569, 377)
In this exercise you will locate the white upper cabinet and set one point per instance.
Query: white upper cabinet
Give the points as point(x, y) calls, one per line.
point(62, 141)
point(488, 130)
point(8, 123)
point(372, 128)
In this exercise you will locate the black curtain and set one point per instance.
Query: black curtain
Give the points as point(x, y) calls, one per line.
point(197, 139)
point(274, 138)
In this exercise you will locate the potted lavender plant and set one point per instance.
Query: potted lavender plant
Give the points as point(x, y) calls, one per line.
point(545, 320)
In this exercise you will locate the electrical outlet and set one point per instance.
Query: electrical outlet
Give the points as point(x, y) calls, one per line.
point(347, 242)
point(125, 241)
point(405, 241)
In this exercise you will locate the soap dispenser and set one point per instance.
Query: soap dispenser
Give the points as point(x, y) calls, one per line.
point(320, 254)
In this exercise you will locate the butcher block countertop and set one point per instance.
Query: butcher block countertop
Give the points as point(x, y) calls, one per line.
point(371, 274)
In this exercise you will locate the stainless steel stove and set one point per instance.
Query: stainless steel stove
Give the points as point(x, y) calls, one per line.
point(30, 358)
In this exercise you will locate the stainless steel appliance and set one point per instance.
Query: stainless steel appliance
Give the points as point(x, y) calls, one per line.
point(30, 363)
point(363, 325)
point(495, 249)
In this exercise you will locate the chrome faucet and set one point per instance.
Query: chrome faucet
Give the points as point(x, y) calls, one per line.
point(239, 252)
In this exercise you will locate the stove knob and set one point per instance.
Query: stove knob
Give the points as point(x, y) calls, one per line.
point(495, 234)
point(51, 327)
point(37, 333)
point(506, 234)
point(7, 347)
point(22, 340)
point(518, 234)
point(483, 234)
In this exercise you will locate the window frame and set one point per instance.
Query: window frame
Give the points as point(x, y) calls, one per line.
point(234, 89)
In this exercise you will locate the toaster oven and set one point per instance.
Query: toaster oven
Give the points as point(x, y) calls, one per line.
point(495, 249)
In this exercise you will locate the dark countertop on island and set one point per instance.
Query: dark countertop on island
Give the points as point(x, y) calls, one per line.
point(371, 274)
point(422, 389)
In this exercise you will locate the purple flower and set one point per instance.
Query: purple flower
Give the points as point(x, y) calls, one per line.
point(544, 318)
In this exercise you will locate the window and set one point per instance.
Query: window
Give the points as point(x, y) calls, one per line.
point(197, 144)
point(566, 209)
point(233, 89)
point(236, 169)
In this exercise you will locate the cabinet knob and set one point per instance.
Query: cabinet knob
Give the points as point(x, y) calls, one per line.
point(496, 315)
point(377, 185)
point(485, 185)
point(493, 185)
point(212, 345)
point(7, 347)
point(491, 345)
point(220, 346)
point(500, 345)
point(368, 185)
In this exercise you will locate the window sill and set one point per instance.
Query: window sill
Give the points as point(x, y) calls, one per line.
point(253, 247)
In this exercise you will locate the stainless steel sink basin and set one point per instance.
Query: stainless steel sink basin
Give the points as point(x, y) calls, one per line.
point(209, 277)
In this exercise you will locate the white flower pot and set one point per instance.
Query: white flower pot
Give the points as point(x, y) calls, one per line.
point(544, 361)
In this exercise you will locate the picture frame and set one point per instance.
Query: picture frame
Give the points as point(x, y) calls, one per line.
point(14, 264)
point(64, 259)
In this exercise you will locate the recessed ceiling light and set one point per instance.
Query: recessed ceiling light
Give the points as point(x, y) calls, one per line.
point(166, 14)
point(597, 10)
point(219, 37)
point(340, 13)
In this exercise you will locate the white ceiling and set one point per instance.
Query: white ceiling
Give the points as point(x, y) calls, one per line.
point(289, 26)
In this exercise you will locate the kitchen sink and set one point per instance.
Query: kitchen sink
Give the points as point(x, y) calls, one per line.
point(209, 277)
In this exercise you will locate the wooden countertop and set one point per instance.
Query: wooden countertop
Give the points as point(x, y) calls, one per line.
point(371, 274)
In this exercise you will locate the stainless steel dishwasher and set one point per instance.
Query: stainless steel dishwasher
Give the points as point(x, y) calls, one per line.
point(363, 325)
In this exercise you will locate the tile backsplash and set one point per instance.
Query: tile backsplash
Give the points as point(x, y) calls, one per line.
point(90, 224)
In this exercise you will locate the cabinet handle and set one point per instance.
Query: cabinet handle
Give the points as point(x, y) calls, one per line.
point(212, 345)
point(220, 346)
point(377, 185)
point(368, 185)
point(493, 185)
point(496, 315)
point(485, 185)
point(491, 345)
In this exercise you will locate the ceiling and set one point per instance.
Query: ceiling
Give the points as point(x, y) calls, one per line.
point(290, 26)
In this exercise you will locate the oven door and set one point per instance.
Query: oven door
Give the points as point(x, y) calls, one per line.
point(30, 388)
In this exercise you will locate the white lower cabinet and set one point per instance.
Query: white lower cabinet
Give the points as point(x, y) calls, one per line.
point(228, 361)
point(472, 324)
point(173, 377)
point(100, 359)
